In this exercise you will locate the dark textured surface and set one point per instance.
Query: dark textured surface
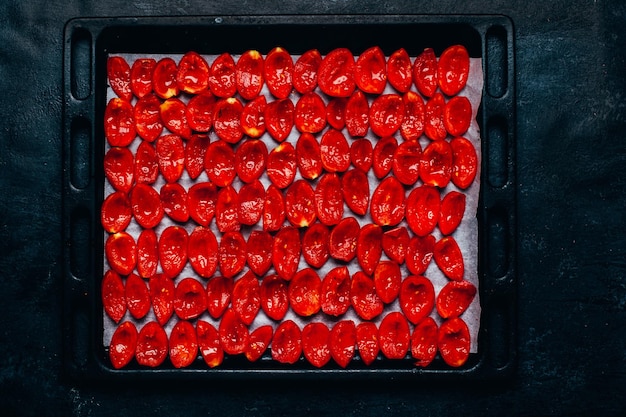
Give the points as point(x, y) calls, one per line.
point(571, 150)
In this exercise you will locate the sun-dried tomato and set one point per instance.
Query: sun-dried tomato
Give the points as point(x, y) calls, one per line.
point(222, 76)
point(246, 298)
point(287, 343)
point(249, 74)
point(417, 298)
point(335, 292)
point(193, 73)
point(123, 345)
point(189, 299)
point(162, 290)
point(113, 295)
point(183, 344)
point(152, 345)
point(121, 252)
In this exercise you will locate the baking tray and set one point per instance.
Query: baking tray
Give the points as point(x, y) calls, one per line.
point(87, 42)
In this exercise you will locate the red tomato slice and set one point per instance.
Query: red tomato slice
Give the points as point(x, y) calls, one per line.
point(113, 295)
point(192, 75)
point(335, 151)
point(367, 341)
point(436, 164)
point(451, 212)
point(119, 122)
point(251, 200)
point(356, 191)
point(343, 239)
point(406, 162)
point(227, 119)
point(434, 127)
point(279, 118)
point(209, 344)
point(387, 280)
point(286, 252)
point(174, 116)
point(173, 244)
point(246, 299)
point(152, 345)
point(422, 209)
point(395, 242)
point(250, 160)
point(453, 69)
point(369, 247)
point(249, 74)
point(222, 80)
point(195, 154)
point(400, 70)
point(387, 207)
point(253, 117)
point(464, 162)
point(164, 78)
point(137, 296)
point(273, 209)
point(141, 76)
point(336, 112)
point(336, 73)
point(183, 344)
point(116, 212)
point(329, 199)
point(274, 297)
point(457, 115)
point(357, 114)
point(202, 251)
point(419, 253)
point(121, 252)
point(335, 292)
point(453, 342)
point(449, 258)
point(316, 344)
point(412, 125)
point(202, 199)
point(300, 204)
point(278, 72)
point(258, 343)
point(382, 156)
point(162, 297)
point(305, 71)
point(425, 72)
point(200, 111)
point(361, 154)
point(118, 73)
point(219, 163)
point(315, 245)
point(370, 72)
point(424, 342)
point(147, 253)
point(146, 164)
point(170, 152)
point(123, 345)
point(310, 113)
point(146, 204)
point(287, 343)
point(395, 336)
point(232, 254)
point(281, 165)
point(417, 298)
point(304, 292)
point(363, 297)
point(454, 298)
point(308, 156)
point(174, 200)
point(234, 334)
point(343, 342)
point(386, 114)
point(259, 253)
point(147, 114)
point(219, 291)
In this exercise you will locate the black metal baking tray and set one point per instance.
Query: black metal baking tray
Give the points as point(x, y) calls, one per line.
point(86, 45)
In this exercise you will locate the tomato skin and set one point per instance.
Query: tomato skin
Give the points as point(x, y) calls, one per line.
point(453, 342)
point(162, 290)
point(274, 297)
point(425, 72)
point(286, 252)
point(200, 111)
point(281, 165)
point(304, 292)
point(287, 343)
point(246, 299)
point(457, 115)
point(315, 344)
point(146, 164)
point(395, 242)
point(141, 76)
point(195, 154)
point(300, 204)
point(116, 212)
point(173, 244)
point(464, 162)
point(388, 202)
point(258, 343)
point(363, 297)
point(454, 298)
point(231, 253)
point(147, 116)
point(357, 114)
point(253, 117)
point(361, 154)
point(370, 72)
point(422, 209)
point(233, 333)
point(406, 162)
point(202, 199)
point(336, 112)
point(259, 251)
point(417, 298)
point(146, 204)
point(209, 344)
point(279, 118)
point(367, 341)
point(123, 345)
point(250, 202)
point(308, 156)
point(400, 70)
point(174, 200)
point(434, 127)
point(174, 116)
point(164, 78)
point(369, 247)
point(310, 113)
point(202, 250)
point(449, 258)
point(278, 72)
point(355, 191)
point(147, 253)
point(305, 71)
point(412, 125)
point(137, 296)
point(451, 212)
point(221, 80)
point(315, 245)
point(183, 344)
point(343, 239)
point(394, 334)
point(424, 342)
point(219, 292)
point(219, 163)
point(335, 291)
point(121, 252)
point(249, 74)
point(227, 119)
point(119, 122)
point(343, 342)
point(273, 209)
point(436, 164)
point(335, 76)
point(113, 295)
point(250, 160)
point(419, 253)
point(152, 345)
point(453, 69)
point(119, 168)
point(382, 156)
point(192, 75)
point(118, 73)
point(170, 152)
point(329, 199)
point(335, 151)
point(386, 114)
point(387, 280)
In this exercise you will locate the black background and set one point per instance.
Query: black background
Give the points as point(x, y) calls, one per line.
point(571, 151)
